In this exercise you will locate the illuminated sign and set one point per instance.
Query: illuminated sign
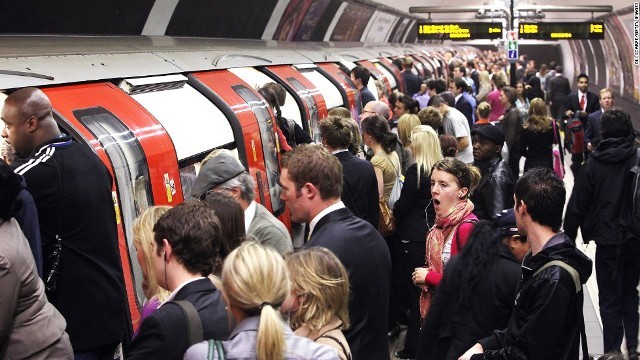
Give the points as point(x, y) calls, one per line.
point(592, 30)
point(459, 31)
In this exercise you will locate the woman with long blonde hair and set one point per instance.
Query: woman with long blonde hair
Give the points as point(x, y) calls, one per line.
point(256, 282)
point(319, 298)
point(406, 124)
point(537, 137)
point(143, 243)
point(414, 214)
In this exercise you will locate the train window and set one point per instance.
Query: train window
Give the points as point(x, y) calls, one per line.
point(330, 93)
point(387, 74)
point(194, 124)
point(256, 79)
point(269, 145)
point(314, 121)
point(130, 169)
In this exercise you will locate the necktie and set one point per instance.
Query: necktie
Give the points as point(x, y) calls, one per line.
point(582, 102)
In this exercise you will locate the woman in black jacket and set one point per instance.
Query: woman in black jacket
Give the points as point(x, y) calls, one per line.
point(537, 137)
point(477, 291)
point(414, 214)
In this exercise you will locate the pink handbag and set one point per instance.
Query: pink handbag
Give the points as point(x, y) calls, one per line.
point(558, 166)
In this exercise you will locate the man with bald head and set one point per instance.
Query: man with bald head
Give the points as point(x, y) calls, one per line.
point(375, 108)
point(72, 191)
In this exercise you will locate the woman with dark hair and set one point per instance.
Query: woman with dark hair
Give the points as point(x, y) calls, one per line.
point(451, 183)
point(231, 216)
point(483, 277)
point(522, 103)
point(30, 327)
point(533, 89)
point(385, 161)
point(293, 132)
point(511, 124)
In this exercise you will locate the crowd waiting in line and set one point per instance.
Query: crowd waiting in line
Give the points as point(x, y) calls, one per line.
point(417, 213)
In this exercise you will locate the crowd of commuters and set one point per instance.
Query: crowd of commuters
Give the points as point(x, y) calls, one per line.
point(222, 277)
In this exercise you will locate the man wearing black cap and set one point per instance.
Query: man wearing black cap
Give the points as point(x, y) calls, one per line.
point(224, 173)
point(495, 191)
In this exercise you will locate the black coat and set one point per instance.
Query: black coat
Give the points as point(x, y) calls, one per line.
point(559, 90)
point(359, 187)
point(495, 190)
point(598, 194)
point(365, 255)
point(412, 83)
point(71, 188)
point(592, 132)
point(164, 334)
point(451, 328)
point(464, 106)
point(544, 322)
point(414, 207)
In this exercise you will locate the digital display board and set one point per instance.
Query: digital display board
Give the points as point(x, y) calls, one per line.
point(459, 31)
point(591, 30)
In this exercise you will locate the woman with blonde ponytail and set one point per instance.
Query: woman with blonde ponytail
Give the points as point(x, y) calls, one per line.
point(256, 282)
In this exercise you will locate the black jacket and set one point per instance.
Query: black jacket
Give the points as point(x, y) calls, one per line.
point(559, 90)
point(365, 255)
point(464, 106)
point(359, 187)
point(593, 103)
point(164, 334)
point(71, 187)
point(413, 210)
point(412, 82)
point(598, 194)
point(495, 190)
point(450, 327)
point(544, 323)
point(27, 218)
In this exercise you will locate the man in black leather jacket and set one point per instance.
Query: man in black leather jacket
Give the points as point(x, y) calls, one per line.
point(495, 191)
point(546, 319)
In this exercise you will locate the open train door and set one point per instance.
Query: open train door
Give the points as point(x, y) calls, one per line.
point(348, 90)
point(137, 152)
point(240, 101)
point(312, 99)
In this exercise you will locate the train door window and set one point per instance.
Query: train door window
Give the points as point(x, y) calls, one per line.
point(269, 147)
point(331, 94)
point(386, 73)
point(256, 79)
point(314, 121)
point(130, 169)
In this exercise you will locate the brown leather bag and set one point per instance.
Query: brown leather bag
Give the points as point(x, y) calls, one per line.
point(387, 223)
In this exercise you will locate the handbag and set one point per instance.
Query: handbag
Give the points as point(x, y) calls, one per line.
point(215, 347)
point(558, 167)
point(386, 223)
point(397, 188)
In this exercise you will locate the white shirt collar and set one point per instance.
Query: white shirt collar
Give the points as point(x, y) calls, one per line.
point(321, 214)
point(581, 94)
point(249, 214)
point(458, 97)
point(174, 292)
point(338, 151)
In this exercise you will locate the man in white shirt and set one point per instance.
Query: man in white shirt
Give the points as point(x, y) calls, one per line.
point(454, 123)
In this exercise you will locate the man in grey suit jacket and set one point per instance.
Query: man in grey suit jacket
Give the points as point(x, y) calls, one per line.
point(311, 182)
point(224, 173)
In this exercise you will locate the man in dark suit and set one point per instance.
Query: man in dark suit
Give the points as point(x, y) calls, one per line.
point(359, 183)
point(411, 81)
point(183, 256)
point(592, 134)
point(458, 86)
point(311, 181)
point(585, 101)
point(559, 90)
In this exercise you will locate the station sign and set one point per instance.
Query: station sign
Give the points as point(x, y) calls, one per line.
point(459, 30)
point(589, 30)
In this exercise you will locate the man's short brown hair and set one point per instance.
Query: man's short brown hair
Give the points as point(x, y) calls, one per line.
point(313, 163)
point(336, 131)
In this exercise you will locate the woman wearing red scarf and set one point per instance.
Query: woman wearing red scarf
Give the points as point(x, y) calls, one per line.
point(452, 181)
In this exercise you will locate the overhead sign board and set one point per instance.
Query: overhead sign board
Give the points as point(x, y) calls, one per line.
point(589, 30)
point(459, 30)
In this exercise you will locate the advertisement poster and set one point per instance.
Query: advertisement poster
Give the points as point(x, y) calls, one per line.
point(352, 23)
point(399, 31)
point(380, 28)
point(291, 20)
point(310, 21)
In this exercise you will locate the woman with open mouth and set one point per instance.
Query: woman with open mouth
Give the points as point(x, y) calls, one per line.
point(452, 181)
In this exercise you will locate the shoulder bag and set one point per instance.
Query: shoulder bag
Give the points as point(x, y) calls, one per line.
point(558, 167)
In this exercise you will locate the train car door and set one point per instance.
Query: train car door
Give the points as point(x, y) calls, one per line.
point(128, 140)
point(342, 80)
point(257, 122)
point(386, 66)
point(313, 100)
point(379, 75)
point(329, 90)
